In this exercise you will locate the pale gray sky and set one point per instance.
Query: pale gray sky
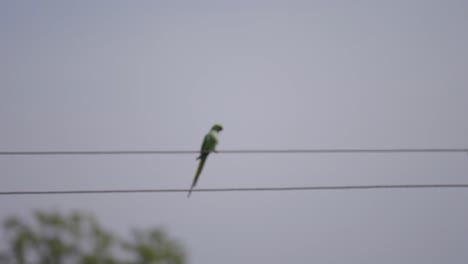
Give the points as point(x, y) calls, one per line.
point(106, 75)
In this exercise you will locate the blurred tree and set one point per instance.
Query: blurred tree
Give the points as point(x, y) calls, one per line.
point(78, 238)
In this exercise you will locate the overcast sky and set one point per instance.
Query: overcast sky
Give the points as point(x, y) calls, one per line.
point(156, 75)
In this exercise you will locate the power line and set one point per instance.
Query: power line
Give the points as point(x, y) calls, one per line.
point(252, 151)
point(252, 189)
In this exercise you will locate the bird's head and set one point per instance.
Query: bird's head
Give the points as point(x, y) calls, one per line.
point(217, 127)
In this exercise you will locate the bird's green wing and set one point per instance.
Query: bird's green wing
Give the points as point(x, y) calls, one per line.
point(209, 144)
point(205, 146)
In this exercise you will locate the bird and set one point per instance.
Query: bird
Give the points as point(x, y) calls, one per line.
point(209, 145)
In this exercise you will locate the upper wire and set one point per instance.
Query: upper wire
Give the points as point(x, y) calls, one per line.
point(251, 151)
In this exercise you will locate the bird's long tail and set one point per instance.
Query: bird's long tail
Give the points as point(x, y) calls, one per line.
point(199, 170)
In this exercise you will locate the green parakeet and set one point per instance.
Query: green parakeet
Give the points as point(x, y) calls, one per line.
point(209, 145)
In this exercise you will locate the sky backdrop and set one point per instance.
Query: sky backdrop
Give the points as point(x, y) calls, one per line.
point(156, 75)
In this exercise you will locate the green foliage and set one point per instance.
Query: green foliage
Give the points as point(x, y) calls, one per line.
point(78, 238)
point(154, 247)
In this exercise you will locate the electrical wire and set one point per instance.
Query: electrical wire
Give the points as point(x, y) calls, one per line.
point(257, 151)
point(248, 189)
